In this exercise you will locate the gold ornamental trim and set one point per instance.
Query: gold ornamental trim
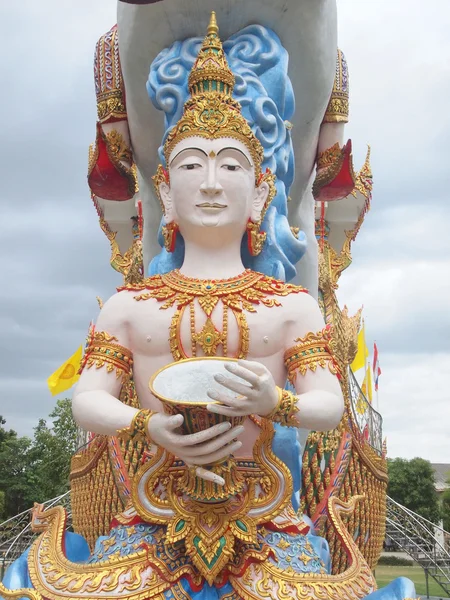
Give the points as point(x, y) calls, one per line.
point(338, 106)
point(103, 350)
point(20, 593)
point(211, 111)
point(286, 410)
point(357, 581)
point(237, 295)
point(312, 351)
point(213, 529)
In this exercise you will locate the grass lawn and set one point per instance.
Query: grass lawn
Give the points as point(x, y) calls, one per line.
point(385, 575)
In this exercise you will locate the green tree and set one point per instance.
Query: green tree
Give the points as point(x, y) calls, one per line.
point(4, 434)
point(411, 483)
point(446, 507)
point(53, 447)
point(16, 476)
point(36, 470)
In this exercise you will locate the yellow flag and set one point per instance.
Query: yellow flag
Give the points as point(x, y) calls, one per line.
point(362, 353)
point(67, 374)
point(369, 384)
point(366, 386)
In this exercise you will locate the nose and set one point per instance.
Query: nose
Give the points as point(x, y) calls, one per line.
point(211, 186)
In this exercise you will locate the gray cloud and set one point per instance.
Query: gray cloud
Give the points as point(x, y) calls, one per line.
point(55, 257)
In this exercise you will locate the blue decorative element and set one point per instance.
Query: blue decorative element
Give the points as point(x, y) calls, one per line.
point(286, 447)
point(399, 589)
point(297, 552)
point(264, 90)
point(305, 554)
point(123, 541)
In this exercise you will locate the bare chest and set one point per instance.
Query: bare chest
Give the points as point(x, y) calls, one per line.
point(191, 331)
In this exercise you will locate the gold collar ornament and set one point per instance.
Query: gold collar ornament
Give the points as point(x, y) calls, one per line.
point(237, 295)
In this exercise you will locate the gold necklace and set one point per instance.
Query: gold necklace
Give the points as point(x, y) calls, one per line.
point(237, 295)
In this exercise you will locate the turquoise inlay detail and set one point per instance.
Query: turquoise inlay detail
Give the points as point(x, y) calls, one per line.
point(180, 525)
point(241, 525)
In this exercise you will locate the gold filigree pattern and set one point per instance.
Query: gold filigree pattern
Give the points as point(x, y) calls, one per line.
point(212, 529)
point(211, 111)
point(205, 491)
point(338, 106)
point(19, 593)
point(341, 462)
point(130, 264)
point(111, 106)
point(208, 338)
point(266, 580)
point(312, 351)
point(118, 147)
point(330, 156)
point(239, 294)
point(118, 153)
point(52, 574)
point(103, 350)
point(286, 410)
point(138, 428)
point(109, 85)
point(256, 237)
point(329, 165)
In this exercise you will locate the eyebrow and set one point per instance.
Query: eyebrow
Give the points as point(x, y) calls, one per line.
point(184, 150)
point(236, 150)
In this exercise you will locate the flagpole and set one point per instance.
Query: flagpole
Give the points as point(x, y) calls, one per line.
point(375, 372)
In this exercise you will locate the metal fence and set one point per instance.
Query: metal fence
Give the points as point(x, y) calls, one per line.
point(368, 420)
point(16, 534)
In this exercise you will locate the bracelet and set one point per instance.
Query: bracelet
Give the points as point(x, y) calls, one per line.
point(313, 351)
point(138, 428)
point(103, 350)
point(286, 409)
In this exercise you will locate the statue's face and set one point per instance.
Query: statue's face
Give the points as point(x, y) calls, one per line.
point(212, 184)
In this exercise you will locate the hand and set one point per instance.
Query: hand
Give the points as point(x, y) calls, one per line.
point(202, 448)
point(259, 398)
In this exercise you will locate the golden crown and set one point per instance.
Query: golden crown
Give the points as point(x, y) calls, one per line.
point(211, 111)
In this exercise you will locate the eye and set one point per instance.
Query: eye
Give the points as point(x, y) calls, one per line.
point(190, 166)
point(231, 167)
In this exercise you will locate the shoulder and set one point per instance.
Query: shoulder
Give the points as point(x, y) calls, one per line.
point(117, 310)
point(304, 314)
point(148, 283)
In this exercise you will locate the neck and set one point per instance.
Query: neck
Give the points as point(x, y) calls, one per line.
point(220, 262)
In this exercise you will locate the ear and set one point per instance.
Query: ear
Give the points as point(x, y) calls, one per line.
point(259, 200)
point(166, 199)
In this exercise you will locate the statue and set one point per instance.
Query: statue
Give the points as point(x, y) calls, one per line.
point(209, 512)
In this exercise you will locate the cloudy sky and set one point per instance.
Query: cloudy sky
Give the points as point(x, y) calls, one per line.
point(55, 259)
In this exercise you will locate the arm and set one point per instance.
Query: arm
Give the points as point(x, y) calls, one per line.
point(95, 403)
point(318, 403)
point(319, 396)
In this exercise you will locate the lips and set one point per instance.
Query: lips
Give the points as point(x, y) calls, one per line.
point(211, 205)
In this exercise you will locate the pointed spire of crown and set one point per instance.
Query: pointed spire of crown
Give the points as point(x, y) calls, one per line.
point(213, 28)
point(211, 72)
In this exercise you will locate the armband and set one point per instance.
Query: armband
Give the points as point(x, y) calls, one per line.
point(286, 410)
point(312, 351)
point(138, 428)
point(102, 350)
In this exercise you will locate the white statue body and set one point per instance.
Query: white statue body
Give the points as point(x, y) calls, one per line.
point(212, 194)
